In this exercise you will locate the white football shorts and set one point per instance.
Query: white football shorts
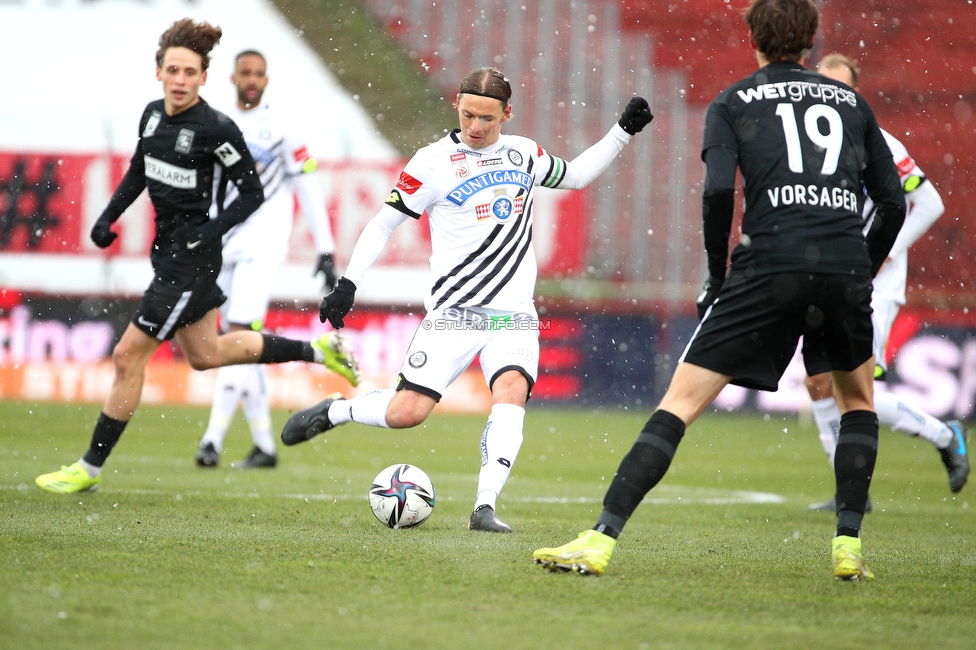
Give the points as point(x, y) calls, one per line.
point(252, 254)
point(443, 347)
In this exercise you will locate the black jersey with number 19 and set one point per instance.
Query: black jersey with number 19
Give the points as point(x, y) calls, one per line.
point(803, 171)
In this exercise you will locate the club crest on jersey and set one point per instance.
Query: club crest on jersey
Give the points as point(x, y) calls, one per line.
point(459, 162)
point(515, 157)
point(184, 141)
point(502, 208)
point(152, 124)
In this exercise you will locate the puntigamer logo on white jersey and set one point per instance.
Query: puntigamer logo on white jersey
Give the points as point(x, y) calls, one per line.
point(167, 174)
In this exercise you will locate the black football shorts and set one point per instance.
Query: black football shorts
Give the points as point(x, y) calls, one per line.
point(171, 303)
point(750, 332)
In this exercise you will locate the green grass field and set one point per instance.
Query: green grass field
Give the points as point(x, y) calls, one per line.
point(721, 555)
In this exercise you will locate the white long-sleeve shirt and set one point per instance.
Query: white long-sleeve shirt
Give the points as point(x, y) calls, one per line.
point(479, 204)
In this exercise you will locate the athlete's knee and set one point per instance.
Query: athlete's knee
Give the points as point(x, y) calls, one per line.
point(202, 362)
point(820, 386)
point(126, 358)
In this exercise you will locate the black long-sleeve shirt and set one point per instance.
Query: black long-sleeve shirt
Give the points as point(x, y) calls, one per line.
point(186, 161)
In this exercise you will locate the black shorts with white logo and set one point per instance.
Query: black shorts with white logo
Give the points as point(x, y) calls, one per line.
point(174, 302)
point(752, 329)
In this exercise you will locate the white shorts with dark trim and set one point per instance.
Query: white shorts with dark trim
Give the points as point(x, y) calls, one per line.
point(448, 340)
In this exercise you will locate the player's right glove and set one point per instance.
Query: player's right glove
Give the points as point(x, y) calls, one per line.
point(707, 294)
point(101, 232)
point(192, 236)
point(337, 304)
point(636, 115)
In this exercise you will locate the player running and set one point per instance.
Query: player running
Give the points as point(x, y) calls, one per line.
point(252, 253)
point(186, 156)
point(477, 187)
point(924, 207)
point(805, 145)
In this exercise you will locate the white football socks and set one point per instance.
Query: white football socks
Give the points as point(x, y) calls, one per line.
point(826, 413)
point(257, 410)
point(500, 445)
point(901, 416)
point(369, 409)
point(228, 387)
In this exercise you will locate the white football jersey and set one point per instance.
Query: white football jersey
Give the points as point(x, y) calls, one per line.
point(279, 161)
point(277, 157)
point(890, 282)
point(479, 204)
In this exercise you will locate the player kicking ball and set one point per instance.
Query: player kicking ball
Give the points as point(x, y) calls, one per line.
point(477, 187)
point(802, 268)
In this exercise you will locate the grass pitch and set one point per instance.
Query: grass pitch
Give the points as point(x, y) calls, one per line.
point(721, 555)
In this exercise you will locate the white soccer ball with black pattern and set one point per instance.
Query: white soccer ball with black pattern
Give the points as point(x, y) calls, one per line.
point(402, 496)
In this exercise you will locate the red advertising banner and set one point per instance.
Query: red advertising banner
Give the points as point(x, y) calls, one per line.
point(49, 202)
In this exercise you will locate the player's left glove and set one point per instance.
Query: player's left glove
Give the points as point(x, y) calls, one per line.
point(192, 236)
point(636, 115)
point(326, 266)
point(101, 232)
point(337, 304)
point(707, 294)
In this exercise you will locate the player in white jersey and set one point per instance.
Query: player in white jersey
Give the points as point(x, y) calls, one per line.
point(254, 250)
point(476, 186)
point(924, 207)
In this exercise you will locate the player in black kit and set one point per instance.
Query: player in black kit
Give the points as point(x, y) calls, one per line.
point(806, 145)
point(189, 156)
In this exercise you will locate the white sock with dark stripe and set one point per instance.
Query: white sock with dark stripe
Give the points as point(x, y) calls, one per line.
point(500, 444)
point(369, 409)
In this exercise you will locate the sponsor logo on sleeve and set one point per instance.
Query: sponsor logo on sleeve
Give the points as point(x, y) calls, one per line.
point(301, 154)
point(417, 359)
point(408, 184)
point(540, 153)
point(228, 154)
point(905, 166)
point(152, 124)
point(184, 141)
point(167, 174)
point(460, 164)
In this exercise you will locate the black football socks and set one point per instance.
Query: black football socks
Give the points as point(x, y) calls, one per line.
point(640, 470)
point(857, 451)
point(107, 432)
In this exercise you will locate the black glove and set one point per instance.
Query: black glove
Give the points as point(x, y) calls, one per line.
point(101, 232)
point(707, 295)
point(326, 266)
point(337, 304)
point(192, 236)
point(636, 115)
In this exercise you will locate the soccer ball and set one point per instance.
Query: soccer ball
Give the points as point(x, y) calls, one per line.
point(402, 496)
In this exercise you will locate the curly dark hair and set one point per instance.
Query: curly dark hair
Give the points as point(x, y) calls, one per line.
point(487, 82)
point(198, 37)
point(783, 29)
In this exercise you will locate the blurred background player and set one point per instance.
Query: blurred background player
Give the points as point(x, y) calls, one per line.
point(254, 250)
point(186, 149)
point(802, 268)
point(477, 187)
point(924, 208)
